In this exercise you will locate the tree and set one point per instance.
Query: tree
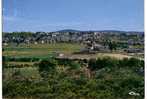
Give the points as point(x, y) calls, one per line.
point(3, 62)
point(74, 65)
point(46, 67)
point(112, 46)
point(92, 64)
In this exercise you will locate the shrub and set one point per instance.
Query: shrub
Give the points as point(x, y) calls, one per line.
point(64, 62)
point(106, 62)
point(132, 62)
point(74, 65)
point(46, 66)
point(92, 65)
point(35, 59)
point(101, 63)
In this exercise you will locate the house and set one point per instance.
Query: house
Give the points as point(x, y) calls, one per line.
point(98, 47)
point(134, 50)
point(35, 43)
point(5, 44)
point(42, 42)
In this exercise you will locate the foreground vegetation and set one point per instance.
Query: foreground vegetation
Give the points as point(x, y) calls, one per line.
point(102, 78)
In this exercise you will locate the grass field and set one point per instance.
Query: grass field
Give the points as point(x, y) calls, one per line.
point(21, 63)
point(47, 50)
point(114, 55)
point(40, 50)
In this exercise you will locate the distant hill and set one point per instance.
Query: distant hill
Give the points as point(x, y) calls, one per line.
point(107, 31)
point(68, 30)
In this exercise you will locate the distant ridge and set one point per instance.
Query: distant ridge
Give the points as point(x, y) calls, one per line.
point(68, 30)
point(114, 31)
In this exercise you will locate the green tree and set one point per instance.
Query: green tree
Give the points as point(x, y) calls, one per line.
point(112, 46)
point(74, 65)
point(92, 64)
point(46, 67)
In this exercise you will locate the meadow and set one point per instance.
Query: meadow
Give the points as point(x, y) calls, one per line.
point(48, 50)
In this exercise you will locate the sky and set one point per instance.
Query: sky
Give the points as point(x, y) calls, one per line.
point(53, 15)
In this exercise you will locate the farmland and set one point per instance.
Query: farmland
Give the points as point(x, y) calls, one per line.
point(40, 50)
point(45, 50)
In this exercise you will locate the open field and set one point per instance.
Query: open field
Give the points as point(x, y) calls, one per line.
point(18, 63)
point(120, 55)
point(40, 50)
point(98, 55)
point(47, 50)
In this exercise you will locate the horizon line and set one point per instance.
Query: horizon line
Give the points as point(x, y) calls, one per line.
point(77, 30)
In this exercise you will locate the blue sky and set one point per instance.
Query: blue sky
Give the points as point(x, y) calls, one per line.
point(52, 15)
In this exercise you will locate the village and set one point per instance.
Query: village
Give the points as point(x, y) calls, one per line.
point(93, 41)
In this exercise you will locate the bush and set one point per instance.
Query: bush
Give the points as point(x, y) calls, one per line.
point(101, 63)
point(64, 62)
point(35, 59)
point(132, 62)
point(92, 65)
point(21, 59)
point(46, 66)
point(107, 62)
point(107, 83)
point(74, 65)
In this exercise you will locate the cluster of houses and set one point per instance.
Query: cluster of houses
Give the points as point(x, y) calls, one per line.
point(51, 37)
point(93, 40)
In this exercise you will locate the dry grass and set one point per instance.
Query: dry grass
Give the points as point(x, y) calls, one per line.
point(21, 63)
point(114, 55)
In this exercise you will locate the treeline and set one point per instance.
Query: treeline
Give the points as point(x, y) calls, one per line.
point(93, 64)
point(99, 63)
point(19, 34)
point(20, 59)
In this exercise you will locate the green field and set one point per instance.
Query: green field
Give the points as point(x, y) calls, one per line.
point(45, 51)
point(39, 50)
